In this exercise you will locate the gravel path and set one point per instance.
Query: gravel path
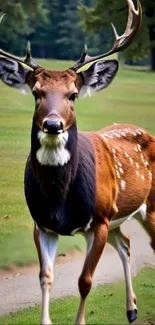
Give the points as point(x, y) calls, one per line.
point(21, 289)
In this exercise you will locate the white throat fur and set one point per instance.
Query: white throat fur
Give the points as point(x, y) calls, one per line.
point(52, 151)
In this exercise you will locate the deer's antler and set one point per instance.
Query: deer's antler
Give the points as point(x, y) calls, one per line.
point(120, 42)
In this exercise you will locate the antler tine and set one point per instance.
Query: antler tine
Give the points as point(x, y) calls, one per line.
point(120, 42)
point(84, 54)
point(27, 61)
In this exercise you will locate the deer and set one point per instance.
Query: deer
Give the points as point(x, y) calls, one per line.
point(83, 182)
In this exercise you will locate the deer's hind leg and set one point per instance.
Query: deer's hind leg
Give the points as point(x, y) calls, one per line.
point(147, 218)
point(122, 245)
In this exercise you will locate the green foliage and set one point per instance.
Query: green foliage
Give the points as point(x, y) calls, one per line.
point(63, 37)
point(20, 21)
point(56, 30)
point(53, 27)
point(105, 305)
point(71, 37)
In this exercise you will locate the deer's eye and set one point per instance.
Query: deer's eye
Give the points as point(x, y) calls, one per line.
point(73, 96)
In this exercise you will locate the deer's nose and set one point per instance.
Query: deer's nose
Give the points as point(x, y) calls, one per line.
point(52, 127)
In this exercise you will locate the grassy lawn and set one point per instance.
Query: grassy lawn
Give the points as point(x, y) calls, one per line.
point(131, 99)
point(105, 305)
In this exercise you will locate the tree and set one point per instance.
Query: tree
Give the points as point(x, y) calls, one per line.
point(71, 36)
point(106, 11)
point(43, 39)
point(20, 22)
point(53, 27)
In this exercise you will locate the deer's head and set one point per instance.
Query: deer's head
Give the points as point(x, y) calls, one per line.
point(55, 91)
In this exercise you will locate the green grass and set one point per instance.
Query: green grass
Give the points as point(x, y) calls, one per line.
point(130, 98)
point(105, 305)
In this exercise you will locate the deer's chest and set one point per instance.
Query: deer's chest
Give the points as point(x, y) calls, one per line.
point(56, 210)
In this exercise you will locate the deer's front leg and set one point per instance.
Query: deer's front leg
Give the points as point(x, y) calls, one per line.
point(96, 240)
point(46, 244)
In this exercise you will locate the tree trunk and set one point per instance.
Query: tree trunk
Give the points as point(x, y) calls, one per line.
point(152, 43)
point(153, 58)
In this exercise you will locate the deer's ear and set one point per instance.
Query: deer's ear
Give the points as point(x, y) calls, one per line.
point(13, 74)
point(98, 76)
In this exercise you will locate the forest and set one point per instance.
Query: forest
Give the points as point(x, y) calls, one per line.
point(59, 28)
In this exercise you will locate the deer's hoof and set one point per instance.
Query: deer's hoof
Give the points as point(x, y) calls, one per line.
point(132, 315)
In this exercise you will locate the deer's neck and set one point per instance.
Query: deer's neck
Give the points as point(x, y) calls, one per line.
point(54, 161)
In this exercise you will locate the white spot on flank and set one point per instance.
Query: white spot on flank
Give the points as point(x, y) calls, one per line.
point(146, 163)
point(118, 174)
point(119, 164)
point(137, 173)
point(137, 165)
point(126, 154)
point(123, 185)
point(139, 147)
point(135, 148)
point(142, 157)
point(138, 131)
point(142, 177)
point(131, 160)
point(150, 175)
point(117, 133)
point(52, 151)
point(142, 131)
point(123, 133)
point(121, 170)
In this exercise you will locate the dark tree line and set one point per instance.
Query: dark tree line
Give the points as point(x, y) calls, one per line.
point(53, 27)
point(60, 28)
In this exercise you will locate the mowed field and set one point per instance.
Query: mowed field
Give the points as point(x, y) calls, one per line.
point(129, 99)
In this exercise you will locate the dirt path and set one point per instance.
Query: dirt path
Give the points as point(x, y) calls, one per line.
point(20, 289)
